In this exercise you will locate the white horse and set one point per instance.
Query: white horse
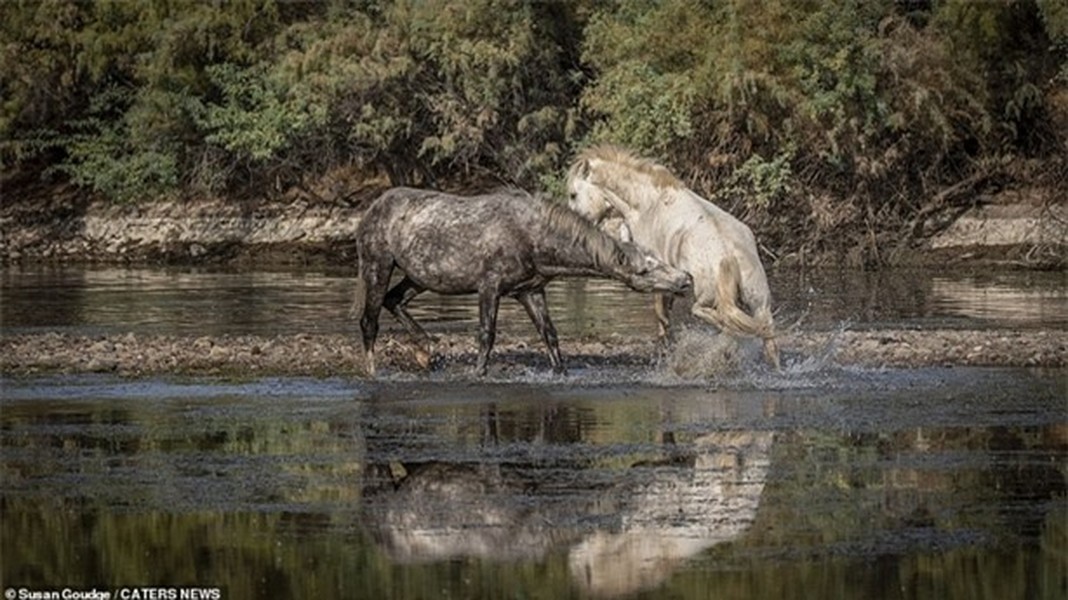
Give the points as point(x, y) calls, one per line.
point(685, 231)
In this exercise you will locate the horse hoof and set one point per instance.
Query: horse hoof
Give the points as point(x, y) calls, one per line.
point(369, 365)
point(437, 362)
point(423, 359)
point(771, 354)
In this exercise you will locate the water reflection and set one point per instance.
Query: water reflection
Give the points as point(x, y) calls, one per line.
point(620, 538)
point(442, 511)
point(707, 496)
point(1004, 300)
point(637, 507)
point(197, 302)
point(299, 489)
point(95, 301)
point(910, 298)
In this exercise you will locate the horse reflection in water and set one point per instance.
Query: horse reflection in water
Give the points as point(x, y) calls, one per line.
point(501, 244)
point(677, 513)
point(440, 511)
point(659, 514)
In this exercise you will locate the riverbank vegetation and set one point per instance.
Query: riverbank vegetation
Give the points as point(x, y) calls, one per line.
point(847, 127)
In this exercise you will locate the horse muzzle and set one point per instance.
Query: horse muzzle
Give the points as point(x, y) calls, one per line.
point(685, 284)
point(676, 283)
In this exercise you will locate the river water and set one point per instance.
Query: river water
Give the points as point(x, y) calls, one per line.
point(825, 481)
point(205, 302)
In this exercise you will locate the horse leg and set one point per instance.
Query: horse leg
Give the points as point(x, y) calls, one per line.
point(538, 311)
point(662, 305)
point(375, 276)
point(771, 348)
point(396, 301)
point(711, 315)
point(489, 300)
point(771, 353)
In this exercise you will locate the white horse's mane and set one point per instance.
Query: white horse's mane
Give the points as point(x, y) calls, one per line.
point(623, 165)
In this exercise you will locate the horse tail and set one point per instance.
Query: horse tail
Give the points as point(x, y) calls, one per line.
point(732, 317)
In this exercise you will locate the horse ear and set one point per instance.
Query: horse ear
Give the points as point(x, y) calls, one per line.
point(583, 168)
point(667, 197)
point(580, 169)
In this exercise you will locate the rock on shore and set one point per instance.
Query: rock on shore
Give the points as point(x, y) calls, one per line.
point(68, 227)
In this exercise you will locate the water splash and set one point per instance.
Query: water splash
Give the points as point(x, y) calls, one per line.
point(698, 357)
point(820, 358)
point(701, 355)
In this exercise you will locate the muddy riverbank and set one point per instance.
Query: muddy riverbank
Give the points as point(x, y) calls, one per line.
point(1026, 227)
point(693, 357)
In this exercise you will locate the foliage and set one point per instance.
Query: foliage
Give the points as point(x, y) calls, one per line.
point(760, 182)
point(103, 154)
point(1019, 46)
point(818, 119)
point(863, 105)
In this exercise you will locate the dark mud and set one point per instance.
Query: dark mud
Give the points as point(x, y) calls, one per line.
point(692, 356)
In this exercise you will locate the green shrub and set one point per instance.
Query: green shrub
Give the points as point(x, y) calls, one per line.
point(822, 121)
point(103, 152)
point(759, 183)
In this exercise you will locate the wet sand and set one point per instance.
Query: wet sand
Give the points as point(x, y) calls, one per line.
point(136, 355)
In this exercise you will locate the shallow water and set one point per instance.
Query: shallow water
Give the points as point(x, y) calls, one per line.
point(199, 302)
point(818, 481)
point(932, 483)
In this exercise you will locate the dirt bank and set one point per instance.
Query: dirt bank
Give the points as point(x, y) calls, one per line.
point(319, 355)
point(1026, 228)
point(65, 225)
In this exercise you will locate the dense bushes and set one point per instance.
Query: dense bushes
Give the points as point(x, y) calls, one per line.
point(819, 121)
point(816, 120)
point(132, 98)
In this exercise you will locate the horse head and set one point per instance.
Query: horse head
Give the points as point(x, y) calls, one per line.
point(606, 180)
point(585, 197)
point(646, 273)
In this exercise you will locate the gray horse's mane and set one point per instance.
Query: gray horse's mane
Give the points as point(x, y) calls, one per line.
point(602, 247)
point(623, 164)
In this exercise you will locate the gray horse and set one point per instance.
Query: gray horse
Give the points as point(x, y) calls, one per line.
point(501, 244)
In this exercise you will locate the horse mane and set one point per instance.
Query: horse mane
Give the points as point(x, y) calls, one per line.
point(631, 163)
point(602, 247)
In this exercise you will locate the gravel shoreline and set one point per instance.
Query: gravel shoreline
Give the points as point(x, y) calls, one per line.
point(136, 355)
